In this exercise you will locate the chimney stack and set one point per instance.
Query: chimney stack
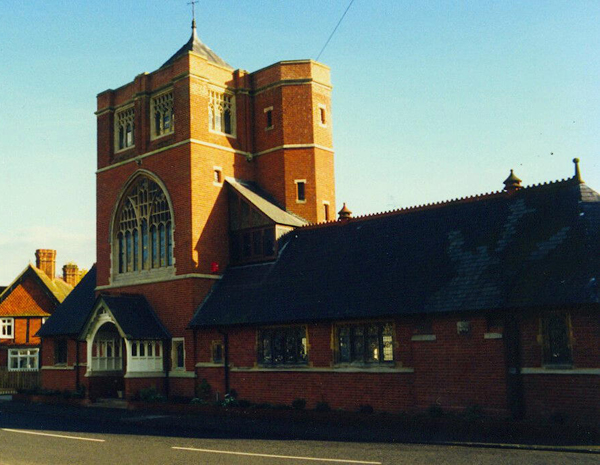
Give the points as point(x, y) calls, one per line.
point(512, 184)
point(45, 260)
point(71, 274)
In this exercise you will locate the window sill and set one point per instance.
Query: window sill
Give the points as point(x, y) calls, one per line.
point(231, 136)
point(123, 150)
point(58, 367)
point(182, 374)
point(144, 276)
point(557, 370)
point(423, 337)
point(309, 369)
point(492, 336)
point(160, 136)
point(209, 365)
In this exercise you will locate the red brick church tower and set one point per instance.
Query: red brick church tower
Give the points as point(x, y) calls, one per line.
point(200, 165)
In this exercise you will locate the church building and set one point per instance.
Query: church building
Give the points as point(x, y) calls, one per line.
point(221, 266)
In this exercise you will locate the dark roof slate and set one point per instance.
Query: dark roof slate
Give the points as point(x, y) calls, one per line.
point(265, 203)
point(70, 316)
point(135, 317)
point(537, 247)
point(197, 46)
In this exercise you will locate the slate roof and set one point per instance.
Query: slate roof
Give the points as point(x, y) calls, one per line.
point(135, 317)
point(133, 313)
point(70, 317)
point(22, 303)
point(266, 204)
point(537, 247)
point(197, 46)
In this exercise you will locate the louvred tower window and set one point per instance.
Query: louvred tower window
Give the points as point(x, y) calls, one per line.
point(162, 114)
point(221, 113)
point(144, 229)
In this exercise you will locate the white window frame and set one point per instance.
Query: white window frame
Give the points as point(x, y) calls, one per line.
point(123, 111)
point(101, 361)
point(29, 356)
point(153, 102)
point(145, 358)
point(7, 328)
point(296, 182)
point(174, 343)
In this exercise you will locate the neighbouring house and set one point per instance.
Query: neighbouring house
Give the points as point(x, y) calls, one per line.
point(26, 304)
point(219, 263)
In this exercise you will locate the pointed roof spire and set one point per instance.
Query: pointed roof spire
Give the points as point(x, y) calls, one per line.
point(194, 44)
point(577, 176)
point(512, 183)
point(344, 213)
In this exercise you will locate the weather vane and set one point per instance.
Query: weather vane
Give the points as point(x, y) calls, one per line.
point(193, 3)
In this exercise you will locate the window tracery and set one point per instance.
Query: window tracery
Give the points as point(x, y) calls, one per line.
point(163, 117)
point(125, 128)
point(221, 112)
point(144, 232)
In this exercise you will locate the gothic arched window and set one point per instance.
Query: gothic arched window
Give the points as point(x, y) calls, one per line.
point(143, 237)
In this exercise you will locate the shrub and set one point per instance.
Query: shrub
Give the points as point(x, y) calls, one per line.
point(558, 418)
point(473, 412)
point(243, 403)
point(151, 394)
point(322, 407)
point(203, 390)
point(365, 409)
point(435, 411)
point(299, 404)
point(265, 406)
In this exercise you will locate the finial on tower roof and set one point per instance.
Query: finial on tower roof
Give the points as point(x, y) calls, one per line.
point(577, 176)
point(193, 3)
point(512, 183)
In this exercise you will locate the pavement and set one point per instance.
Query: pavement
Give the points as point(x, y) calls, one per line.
point(372, 428)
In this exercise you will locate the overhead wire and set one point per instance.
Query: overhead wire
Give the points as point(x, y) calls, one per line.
point(335, 29)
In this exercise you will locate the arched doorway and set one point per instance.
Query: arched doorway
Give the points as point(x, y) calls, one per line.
point(106, 365)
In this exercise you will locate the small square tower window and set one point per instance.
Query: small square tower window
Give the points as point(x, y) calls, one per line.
point(300, 190)
point(326, 211)
point(217, 176)
point(269, 118)
point(322, 115)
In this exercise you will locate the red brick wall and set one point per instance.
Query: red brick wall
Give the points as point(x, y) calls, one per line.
point(454, 371)
point(571, 395)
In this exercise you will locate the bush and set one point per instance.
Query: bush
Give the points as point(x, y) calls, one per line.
point(558, 418)
point(243, 403)
point(151, 394)
point(265, 406)
point(473, 412)
point(435, 411)
point(299, 404)
point(365, 409)
point(322, 407)
point(203, 390)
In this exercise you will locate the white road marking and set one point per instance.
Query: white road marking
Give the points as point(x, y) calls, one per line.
point(22, 431)
point(289, 457)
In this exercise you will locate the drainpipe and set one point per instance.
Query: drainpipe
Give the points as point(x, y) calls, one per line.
point(226, 359)
point(76, 363)
point(515, 391)
point(167, 365)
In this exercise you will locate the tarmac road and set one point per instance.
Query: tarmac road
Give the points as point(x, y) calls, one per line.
point(29, 435)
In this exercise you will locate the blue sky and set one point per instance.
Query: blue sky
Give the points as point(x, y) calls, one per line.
point(432, 99)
